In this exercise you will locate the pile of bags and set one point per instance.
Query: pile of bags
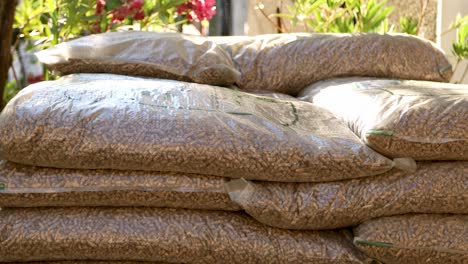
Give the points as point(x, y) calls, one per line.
point(134, 155)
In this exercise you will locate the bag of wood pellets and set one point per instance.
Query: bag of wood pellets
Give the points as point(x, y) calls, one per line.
point(161, 55)
point(287, 63)
point(435, 239)
point(167, 235)
point(88, 262)
point(115, 122)
point(422, 120)
point(26, 186)
point(433, 188)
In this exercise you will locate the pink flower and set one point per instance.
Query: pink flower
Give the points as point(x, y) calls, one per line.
point(198, 10)
point(137, 4)
point(100, 6)
point(139, 15)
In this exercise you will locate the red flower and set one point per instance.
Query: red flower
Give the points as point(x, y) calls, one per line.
point(34, 79)
point(198, 10)
point(100, 6)
point(127, 8)
point(139, 15)
point(137, 4)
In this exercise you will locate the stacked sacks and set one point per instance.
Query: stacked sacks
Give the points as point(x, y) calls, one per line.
point(419, 119)
point(131, 146)
point(115, 141)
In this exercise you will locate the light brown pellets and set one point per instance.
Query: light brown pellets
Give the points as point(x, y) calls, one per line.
point(418, 239)
point(115, 122)
point(418, 119)
point(138, 53)
point(438, 187)
point(28, 186)
point(167, 235)
point(287, 63)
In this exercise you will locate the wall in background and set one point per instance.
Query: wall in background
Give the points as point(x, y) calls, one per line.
point(447, 11)
point(413, 9)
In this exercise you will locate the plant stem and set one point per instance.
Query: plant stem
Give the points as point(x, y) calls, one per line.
point(268, 18)
point(455, 68)
point(463, 75)
point(421, 15)
point(18, 85)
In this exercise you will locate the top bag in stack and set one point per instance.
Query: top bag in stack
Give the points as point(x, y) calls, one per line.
point(287, 63)
point(160, 55)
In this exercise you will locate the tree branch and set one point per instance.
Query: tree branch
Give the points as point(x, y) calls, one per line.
point(7, 13)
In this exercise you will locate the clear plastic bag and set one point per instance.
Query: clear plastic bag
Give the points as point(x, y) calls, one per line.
point(287, 63)
point(161, 55)
point(88, 262)
point(168, 235)
point(422, 120)
point(27, 186)
point(433, 188)
point(415, 239)
point(127, 123)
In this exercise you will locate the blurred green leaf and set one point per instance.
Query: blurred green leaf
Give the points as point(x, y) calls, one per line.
point(409, 25)
point(460, 46)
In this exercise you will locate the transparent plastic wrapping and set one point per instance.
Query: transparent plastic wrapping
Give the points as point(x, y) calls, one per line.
point(433, 188)
point(27, 186)
point(435, 239)
point(88, 262)
point(287, 63)
point(422, 120)
point(275, 95)
point(168, 235)
point(117, 122)
point(161, 55)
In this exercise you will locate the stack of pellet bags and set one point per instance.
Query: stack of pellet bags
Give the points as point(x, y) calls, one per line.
point(290, 148)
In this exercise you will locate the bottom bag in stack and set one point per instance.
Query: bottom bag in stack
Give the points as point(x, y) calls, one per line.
point(167, 235)
point(415, 239)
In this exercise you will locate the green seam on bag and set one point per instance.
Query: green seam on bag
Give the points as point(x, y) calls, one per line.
point(445, 69)
point(2, 186)
point(296, 115)
point(380, 132)
point(373, 243)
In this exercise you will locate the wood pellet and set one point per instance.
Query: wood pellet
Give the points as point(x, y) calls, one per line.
point(166, 235)
point(425, 238)
point(115, 122)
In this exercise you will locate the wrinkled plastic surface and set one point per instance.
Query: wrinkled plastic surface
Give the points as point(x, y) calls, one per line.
point(169, 235)
point(161, 55)
point(127, 123)
point(287, 63)
point(433, 188)
point(415, 239)
point(275, 95)
point(88, 262)
point(26, 186)
point(423, 120)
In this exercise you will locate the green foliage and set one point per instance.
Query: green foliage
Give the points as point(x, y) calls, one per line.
point(10, 91)
point(340, 16)
point(409, 25)
point(460, 46)
point(160, 14)
point(44, 23)
point(49, 22)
